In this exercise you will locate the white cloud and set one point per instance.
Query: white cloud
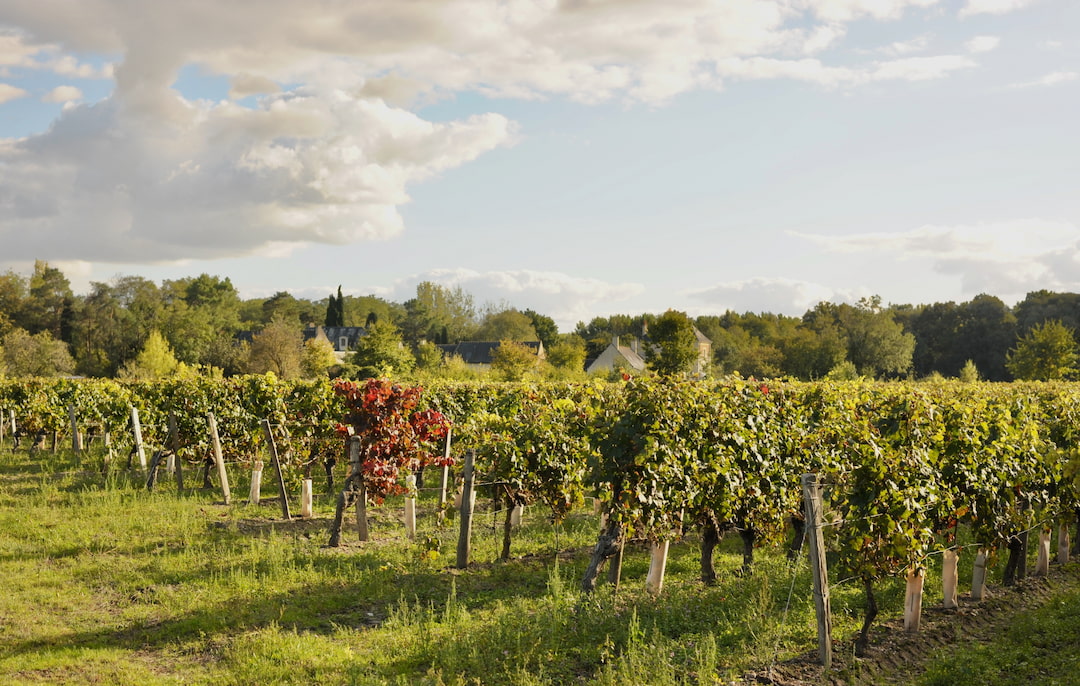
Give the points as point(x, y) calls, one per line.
point(993, 6)
point(565, 298)
point(244, 85)
point(921, 68)
point(982, 44)
point(62, 94)
point(1007, 258)
point(159, 178)
point(901, 48)
point(847, 10)
point(148, 175)
point(9, 93)
point(16, 51)
point(776, 295)
point(1051, 79)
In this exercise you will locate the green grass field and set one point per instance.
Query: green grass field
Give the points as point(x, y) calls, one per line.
point(107, 583)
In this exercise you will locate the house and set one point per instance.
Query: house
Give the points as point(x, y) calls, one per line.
point(632, 357)
point(477, 354)
point(343, 338)
point(616, 356)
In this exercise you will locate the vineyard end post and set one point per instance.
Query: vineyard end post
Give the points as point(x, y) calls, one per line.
point(465, 535)
point(812, 499)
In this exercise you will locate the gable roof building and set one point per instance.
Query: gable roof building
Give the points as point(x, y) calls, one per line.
point(616, 356)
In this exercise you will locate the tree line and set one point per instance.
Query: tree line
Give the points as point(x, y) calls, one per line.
point(131, 327)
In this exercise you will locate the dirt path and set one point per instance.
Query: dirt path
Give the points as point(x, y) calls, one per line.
point(896, 657)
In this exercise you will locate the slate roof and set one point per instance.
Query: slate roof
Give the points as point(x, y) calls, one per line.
point(479, 352)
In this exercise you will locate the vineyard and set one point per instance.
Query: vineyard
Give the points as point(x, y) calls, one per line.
point(911, 473)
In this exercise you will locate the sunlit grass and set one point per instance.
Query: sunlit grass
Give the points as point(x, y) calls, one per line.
point(107, 582)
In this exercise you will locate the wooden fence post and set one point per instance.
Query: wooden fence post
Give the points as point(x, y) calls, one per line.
point(410, 506)
point(219, 460)
point(948, 579)
point(174, 445)
point(76, 439)
point(272, 447)
point(136, 429)
point(812, 499)
point(444, 476)
point(464, 547)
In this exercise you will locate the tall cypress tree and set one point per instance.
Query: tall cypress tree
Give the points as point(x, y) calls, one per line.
point(335, 310)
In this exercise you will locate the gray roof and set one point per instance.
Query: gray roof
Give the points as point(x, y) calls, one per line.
point(479, 352)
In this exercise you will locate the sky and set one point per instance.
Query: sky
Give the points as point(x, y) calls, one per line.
point(577, 157)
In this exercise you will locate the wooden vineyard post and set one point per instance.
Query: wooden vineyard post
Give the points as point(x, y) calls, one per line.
point(1042, 563)
point(978, 576)
point(155, 464)
point(444, 475)
point(76, 439)
point(136, 430)
point(812, 499)
point(1063, 544)
point(174, 446)
point(305, 498)
point(219, 460)
point(276, 464)
point(255, 495)
point(515, 516)
point(410, 507)
point(357, 476)
point(464, 546)
point(654, 580)
point(913, 600)
point(948, 579)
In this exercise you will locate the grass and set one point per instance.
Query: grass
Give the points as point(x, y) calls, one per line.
point(1038, 647)
point(108, 583)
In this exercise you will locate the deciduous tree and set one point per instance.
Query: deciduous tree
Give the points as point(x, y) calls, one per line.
point(382, 353)
point(1046, 353)
point(675, 346)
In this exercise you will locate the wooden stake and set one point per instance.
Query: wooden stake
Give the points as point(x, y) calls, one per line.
point(76, 439)
point(1063, 544)
point(305, 499)
point(361, 512)
point(1042, 563)
point(978, 576)
point(654, 580)
point(136, 429)
point(515, 516)
point(215, 445)
point(464, 547)
point(276, 464)
point(444, 475)
point(256, 483)
point(812, 499)
point(410, 507)
point(913, 600)
point(174, 444)
point(948, 579)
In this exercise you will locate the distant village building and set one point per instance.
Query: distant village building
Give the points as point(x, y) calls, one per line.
point(343, 338)
point(617, 356)
point(477, 354)
point(632, 357)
